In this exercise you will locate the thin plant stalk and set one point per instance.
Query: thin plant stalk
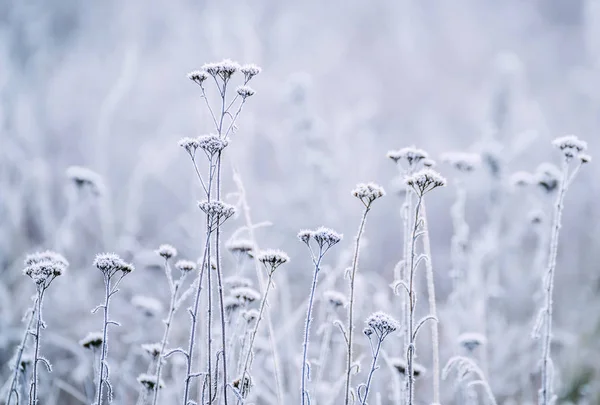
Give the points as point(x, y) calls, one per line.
point(33, 400)
point(19, 355)
point(372, 371)
point(351, 303)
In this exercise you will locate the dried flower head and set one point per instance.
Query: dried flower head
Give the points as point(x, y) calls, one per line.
point(335, 298)
point(249, 71)
point(251, 315)
point(152, 349)
point(189, 144)
point(547, 176)
point(84, 177)
point(232, 282)
point(400, 365)
point(198, 76)
point(92, 340)
point(570, 145)
point(212, 144)
point(245, 91)
point(150, 382)
point(231, 304)
point(240, 247)
point(521, 179)
point(326, 237)
point(273, 258)
point(147, 305)
point(471, 341)
point(411, 154)
point(166, 251)
point(245, 294)
point(217, 212)
point(382, 324)
point(463, 162)
point(367, 193)
point(305, 235)
point(585, 158)
point(43, 267)
point(111, 263)
point(185, 266)
point(224, 69)
point(425, 180)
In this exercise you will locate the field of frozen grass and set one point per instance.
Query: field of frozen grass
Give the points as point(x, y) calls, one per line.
point(325, 203)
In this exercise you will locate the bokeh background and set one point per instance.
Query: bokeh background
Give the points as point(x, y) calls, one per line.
point(102, 85)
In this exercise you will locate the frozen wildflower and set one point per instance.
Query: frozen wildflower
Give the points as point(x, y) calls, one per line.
point(463, 162)
point(273, 258)
point(382, 324)
point(240, 246)
point(43, 267)
point(471, 341)
point(249, 71)
point(185, 266)
point(570, 145)
point(166, 251)
point(243, 385)
point(110, 263)
point(335, 299)
point(84, 177)
point(150, 381)
point(237, 281)
point(326, 237)
point(216, 211)
point(147, 305)
point(368, 331)
point(92, 340)
point(305, 235)
point(585, 158)
point(245, 294)
point(425, 180)
point(153, 349)
point(400, 365)
point(547, 176)
point(231, 304)
point(212, 143)
point(245, 91)
point(368, 193)
point(189, 144)
point(251, 315)
point(198, 76)
point(521, 179)
point(224, 69)
point(411, 154)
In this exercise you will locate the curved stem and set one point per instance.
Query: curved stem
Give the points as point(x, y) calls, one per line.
point(373, 367)
point(351, 304)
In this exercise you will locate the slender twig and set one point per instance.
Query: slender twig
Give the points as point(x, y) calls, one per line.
point(14, 386)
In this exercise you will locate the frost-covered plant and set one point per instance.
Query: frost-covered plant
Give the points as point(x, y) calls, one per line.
point(324, 238)
point(367, 194)
point(113, 269)
point(465, 370)
point(572, 148)
point(379, 326)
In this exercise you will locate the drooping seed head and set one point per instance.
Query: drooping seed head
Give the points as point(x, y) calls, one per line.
point(425, 180)
point(367, 193)
point(166, 251)
point(185, 266)
point(245, 294)
point(92, 340)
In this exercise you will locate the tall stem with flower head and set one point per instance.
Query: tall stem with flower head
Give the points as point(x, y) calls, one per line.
point(325, 238)
point(571, 148)
point(366, 193)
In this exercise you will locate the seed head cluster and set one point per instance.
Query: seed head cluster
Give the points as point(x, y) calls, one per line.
point(111, 263)
point(92, 340)
point(570, 145)
point(411, 154)
point(216, 210)
point(166, 251)
point(382, 324)
point(185, 266)
point(272, 258)
point(43, 267)
point(368, 193)
point(463, 162)
point(425, 180)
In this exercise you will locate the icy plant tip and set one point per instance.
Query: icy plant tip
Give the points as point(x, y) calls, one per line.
point(367, 193)
point(43, 267)
point(382, 324)
point(272, 259)
point(110, 264)
point(166, 251)
point(425, 180)
point(570, 145)
point(411, 154)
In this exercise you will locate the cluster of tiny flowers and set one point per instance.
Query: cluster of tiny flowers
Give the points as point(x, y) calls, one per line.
point(335, 298)
point(570, 145)
point(521, 179)
point(185, 266)
point(368, 193)
point(153, 349)
point(166, 251)
point(231, 304)
point(224, 69)
point(245, 91)
point(84, 177)
point(197, 76)
point(400, 365)
point(92, 340)
point(463, 162)
point(273, 258)
point(110, 263)
point(212, 143)
point(43, 267)
point(382, 324)
point(245, 294)
point(232, 282)
point(425, 180)
point(240, 246)
point(216, 210)
point(250, 315)
point(189, 144)
point(147, 305)
point(326, 237)
point(250, 71)
point(547, 176)
point(411, 154)
point(471, 341)
point(149, 381)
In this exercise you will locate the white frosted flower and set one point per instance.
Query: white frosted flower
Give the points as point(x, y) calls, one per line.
point(212, 143)
point(570, 145)
point(368, 193)
point(166, 251)
point(240, 246)
point(152, 349)
point(43, 267)
point(185, 266)
point(150, 381)
point(189, 144)
point(216, 211)
point(411, 154)
point(548, 176)
point(111, 263)
point(305, 235)
point(198, 76)
point(326, 237)
point(224, 69)
point(249, 71)
point(245, 91)
point(245, 294)
point(521, 179)
point(92, 340)
point(251, 315)
point(273, 258)
point(425, 180)
point(382, 324)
